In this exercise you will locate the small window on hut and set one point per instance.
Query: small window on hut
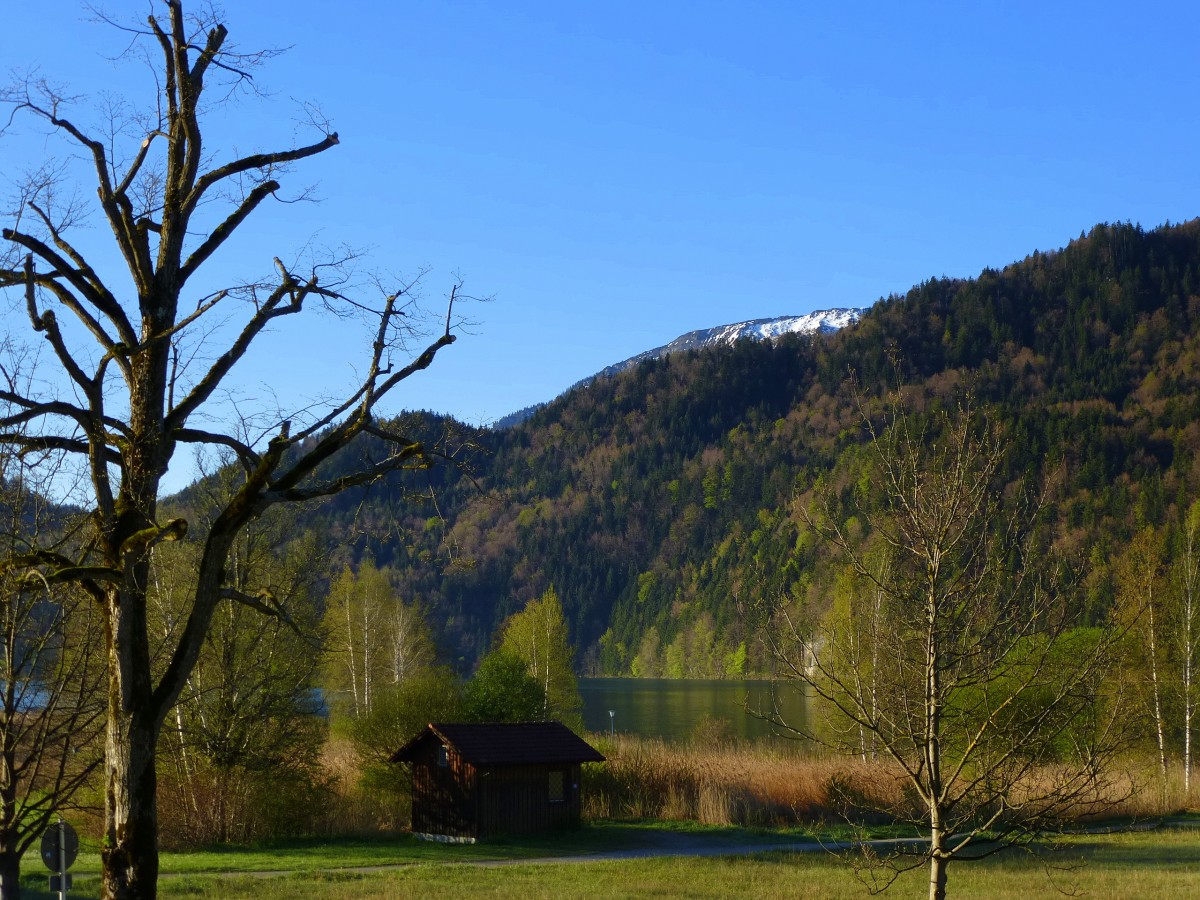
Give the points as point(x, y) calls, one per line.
point(443, 756)
point(557, 785)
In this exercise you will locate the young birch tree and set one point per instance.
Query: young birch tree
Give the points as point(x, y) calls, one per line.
point(1187, 629)
point(962, 663)
point(375, 641)
point(1141, 607)
point(137, 369)
point(538, 635)
point(857, 619)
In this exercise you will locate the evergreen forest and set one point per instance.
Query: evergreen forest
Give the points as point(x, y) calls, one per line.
point(664, 504)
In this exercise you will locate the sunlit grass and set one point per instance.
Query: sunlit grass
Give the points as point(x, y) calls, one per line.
point(1148, 864)
point(312, 854)
point(660, 794)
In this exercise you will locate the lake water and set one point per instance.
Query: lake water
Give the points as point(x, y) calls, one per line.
point(672, 708)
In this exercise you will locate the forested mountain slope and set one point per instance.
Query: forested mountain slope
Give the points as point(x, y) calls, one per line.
point(659, 502)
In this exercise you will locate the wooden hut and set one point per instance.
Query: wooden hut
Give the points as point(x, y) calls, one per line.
point(476, 781)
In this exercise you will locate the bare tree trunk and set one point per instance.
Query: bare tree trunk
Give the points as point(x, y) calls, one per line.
point(130, 853)
point(10, 874)
point(351, 664)
point(877, 598)
point(933, 759)
point(366, 656)
point(546, 661)
point(10, 856)
point(1187, 725)
point(937, 874)
point(1189, 651)
point(185, 763)
point(1187, 703)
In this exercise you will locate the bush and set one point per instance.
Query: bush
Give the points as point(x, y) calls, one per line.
point(400, 711)
point(201, 803)
point(502, 690)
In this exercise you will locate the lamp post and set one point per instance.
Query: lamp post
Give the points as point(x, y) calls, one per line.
point(612, 723)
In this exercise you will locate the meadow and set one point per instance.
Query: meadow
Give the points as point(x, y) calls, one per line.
point(1150, 864)
point(713, 792)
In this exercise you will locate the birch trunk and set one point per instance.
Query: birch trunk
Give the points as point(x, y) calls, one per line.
point(1155, 690)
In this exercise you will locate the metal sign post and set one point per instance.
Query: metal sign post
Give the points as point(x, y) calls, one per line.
point(60, 846)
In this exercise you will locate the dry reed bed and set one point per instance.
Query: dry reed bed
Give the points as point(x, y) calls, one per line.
point(732, 783)
point(726, 783)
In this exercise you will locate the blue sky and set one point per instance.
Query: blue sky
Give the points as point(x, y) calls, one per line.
point(614, 174)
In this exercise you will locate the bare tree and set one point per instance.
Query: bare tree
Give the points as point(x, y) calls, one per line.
point(245, 727)
point(51, 678)
point(962, 661)
point(138, 378)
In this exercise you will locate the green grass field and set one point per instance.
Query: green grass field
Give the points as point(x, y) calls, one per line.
point(1164, 863)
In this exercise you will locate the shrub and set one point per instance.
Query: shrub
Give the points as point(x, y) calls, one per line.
point(502, 690)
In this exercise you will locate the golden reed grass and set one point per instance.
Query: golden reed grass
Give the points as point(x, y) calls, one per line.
point(764, 785)
point(725, 783)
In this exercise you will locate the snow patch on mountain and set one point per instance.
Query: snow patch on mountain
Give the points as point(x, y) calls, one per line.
point(822, 321)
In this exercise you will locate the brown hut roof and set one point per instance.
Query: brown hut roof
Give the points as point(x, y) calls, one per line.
point(512, 744)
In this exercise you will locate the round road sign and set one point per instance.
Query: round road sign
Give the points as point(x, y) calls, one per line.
point(50, 848)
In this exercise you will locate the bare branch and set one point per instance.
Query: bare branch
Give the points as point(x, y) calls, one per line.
point(257, 161)
point(289, 289)
point(266, 603)
point(101, 299)
point(412, 456)
point(222, 232)
point(248, 458)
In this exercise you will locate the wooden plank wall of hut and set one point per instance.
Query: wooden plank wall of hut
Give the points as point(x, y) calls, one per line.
point(515, 799)
point(444, 799)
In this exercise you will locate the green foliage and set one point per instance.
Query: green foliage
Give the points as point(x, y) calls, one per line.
point(664, 493)
point(503, 690)
point(538, 636)
point(735, 661)
point(293, 797)
point(401, 710)
point(674, 661)
point(647, 663)
point(245, 729)
point(1036, 675)
point(373, 639)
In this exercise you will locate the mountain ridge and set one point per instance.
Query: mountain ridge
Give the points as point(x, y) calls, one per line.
point(665, 503)
point(821, 321)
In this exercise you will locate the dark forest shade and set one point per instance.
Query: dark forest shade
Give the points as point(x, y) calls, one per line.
point(477, 781)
